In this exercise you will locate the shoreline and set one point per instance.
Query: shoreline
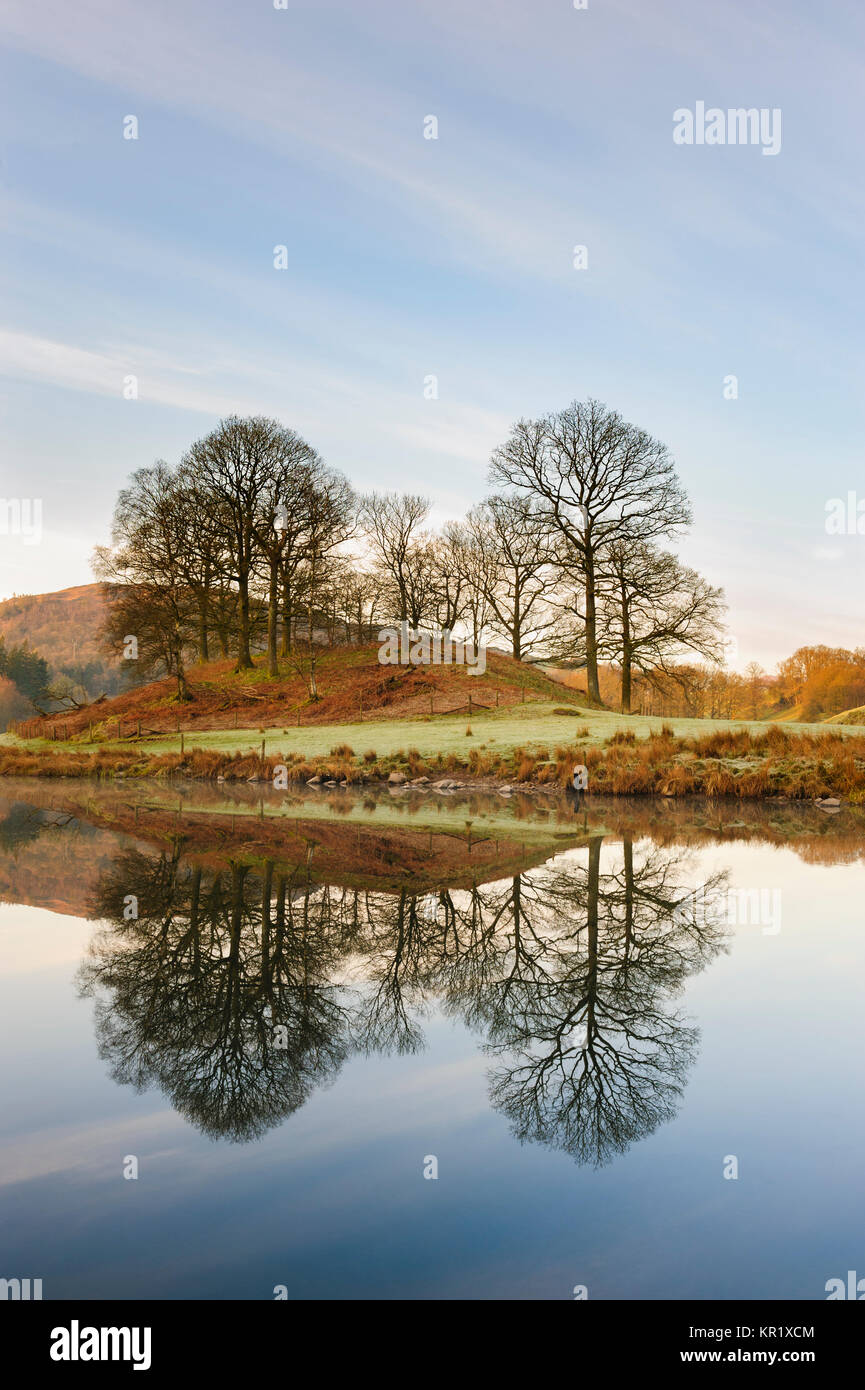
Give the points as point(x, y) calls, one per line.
point(620, 770)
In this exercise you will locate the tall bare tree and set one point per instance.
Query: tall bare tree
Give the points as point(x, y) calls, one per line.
point(596, 479)
point(236, 464)
point(278, 525)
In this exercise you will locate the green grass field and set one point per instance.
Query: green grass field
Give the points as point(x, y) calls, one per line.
point(530, 726)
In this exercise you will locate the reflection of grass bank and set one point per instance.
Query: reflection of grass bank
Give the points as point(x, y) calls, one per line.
point(638, 758)
point(373, 837)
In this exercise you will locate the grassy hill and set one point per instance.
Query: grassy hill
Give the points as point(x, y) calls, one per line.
point(354, 688)
point(848, 716)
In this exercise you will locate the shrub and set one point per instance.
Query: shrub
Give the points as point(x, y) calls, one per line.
point(622, 736)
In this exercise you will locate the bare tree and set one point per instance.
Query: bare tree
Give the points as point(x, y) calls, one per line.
point(329, 511)
point(151, 536)
point(511, 532)
point(392, 522)
point(597, 479)
point(357, 601)
point(205, 561)
point(278, 525)
point(448, 580)
point(236, 463)
point(657, 609)
point(474, 567)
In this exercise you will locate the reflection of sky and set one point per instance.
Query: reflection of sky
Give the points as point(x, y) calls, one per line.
point(333, 1202)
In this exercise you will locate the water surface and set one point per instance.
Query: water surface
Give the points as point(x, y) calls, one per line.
point(285, 1007)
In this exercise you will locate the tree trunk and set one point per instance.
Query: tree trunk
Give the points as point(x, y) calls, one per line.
point(626, 655)
point(516, 630)
point(272, 619)
point(244, 656)
point(626, 683)
point(311, 683)
point(594, 689)
point(286, 618)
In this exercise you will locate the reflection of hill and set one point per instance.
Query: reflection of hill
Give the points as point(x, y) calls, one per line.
point(69, 842)
point(380, 842)
point(51, 859)
point(812, 834)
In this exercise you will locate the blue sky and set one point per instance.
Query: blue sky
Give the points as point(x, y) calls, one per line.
point(408, 257)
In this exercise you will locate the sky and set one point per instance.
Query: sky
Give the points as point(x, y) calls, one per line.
point(453, 257)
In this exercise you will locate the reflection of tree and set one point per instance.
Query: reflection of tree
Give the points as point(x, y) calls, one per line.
point(589, 1056)
point(23, 823)
point(397, 943)
point(238, 990)
point(218, 991)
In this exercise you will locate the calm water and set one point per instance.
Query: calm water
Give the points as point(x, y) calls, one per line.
point(284, 1009)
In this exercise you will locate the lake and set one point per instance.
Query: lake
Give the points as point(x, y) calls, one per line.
point(421, 1045)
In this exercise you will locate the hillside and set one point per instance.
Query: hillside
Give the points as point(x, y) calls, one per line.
point(795, 714)
point(63, 627)
point(352, 685)
point(849, 716)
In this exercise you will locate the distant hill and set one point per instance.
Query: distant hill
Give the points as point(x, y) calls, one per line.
point(63, 628)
